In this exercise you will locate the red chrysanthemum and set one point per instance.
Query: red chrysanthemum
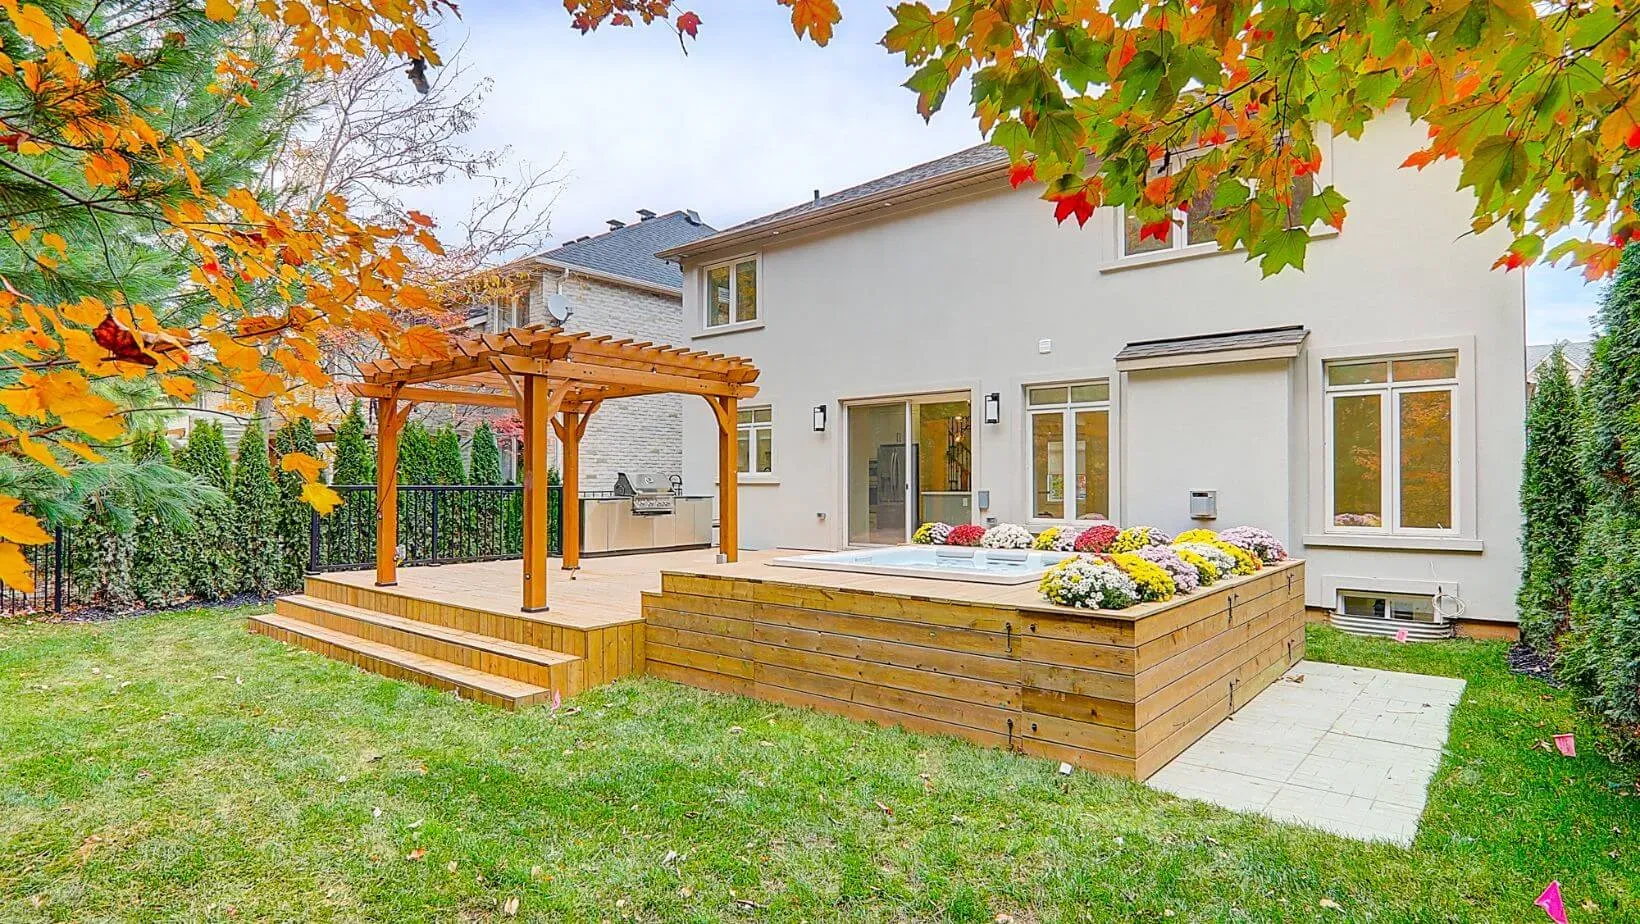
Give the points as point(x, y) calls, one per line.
point(967, 534)
point(1097, 538)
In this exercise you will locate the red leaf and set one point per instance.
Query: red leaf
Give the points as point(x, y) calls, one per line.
point(689, 24)
point(120, 343)
point(1077, 204)
point(1634, 137)
point(1156, 229)
point(1509, 261)
point(1021, 173)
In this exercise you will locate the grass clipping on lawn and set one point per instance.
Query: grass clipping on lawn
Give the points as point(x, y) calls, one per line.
point(174, 766)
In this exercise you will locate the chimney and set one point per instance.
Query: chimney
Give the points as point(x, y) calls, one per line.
point(615, 224)
point(817, 195)
point(645, 214)
point(692, 215)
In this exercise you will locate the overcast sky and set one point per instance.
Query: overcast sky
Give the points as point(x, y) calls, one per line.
point(750, 121)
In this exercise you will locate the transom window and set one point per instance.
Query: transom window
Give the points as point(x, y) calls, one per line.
point(1198, 223)
point(1391, 444)
point(1069, 432)
point(731, 292)
point(755, 441)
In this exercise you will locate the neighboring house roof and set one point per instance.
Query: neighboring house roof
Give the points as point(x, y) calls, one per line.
point(1231, 346)
point(629, 252)
point(1577, 352)
point(978, 163)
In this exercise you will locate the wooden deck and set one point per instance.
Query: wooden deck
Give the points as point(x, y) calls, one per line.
point(462, 627)
point(1119, 692)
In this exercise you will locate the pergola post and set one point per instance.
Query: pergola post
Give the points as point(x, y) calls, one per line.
point(389, 421)
point(727, 410)
point(537, 418)
point(570, 515)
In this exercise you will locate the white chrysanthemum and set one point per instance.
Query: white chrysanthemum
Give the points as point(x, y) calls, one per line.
point(1007, 536)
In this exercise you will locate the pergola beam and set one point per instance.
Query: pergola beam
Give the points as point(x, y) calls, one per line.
point(424, 395)
point(646, 380)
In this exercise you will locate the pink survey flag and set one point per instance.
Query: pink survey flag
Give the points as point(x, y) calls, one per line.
point(1551, 904)
point(1401, 636)
point(556, 700)
point(1567, 745)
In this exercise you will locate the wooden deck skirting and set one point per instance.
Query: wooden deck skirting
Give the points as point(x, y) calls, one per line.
point(1120, 692)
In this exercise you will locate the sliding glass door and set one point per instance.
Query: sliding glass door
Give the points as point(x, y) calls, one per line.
point(909, 462)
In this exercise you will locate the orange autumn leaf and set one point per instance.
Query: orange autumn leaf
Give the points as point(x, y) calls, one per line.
point(320, 497)
point(814, 17)
point(220, 10)
point(302, 464)
point(15, 571)
point(41, 453)
point(33, 23)
point(17, 526)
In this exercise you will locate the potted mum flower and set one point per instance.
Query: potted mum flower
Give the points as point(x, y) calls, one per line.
point(931, 534)
point(1258, 542)
point(1088, 583)
point(1184, 574)
point(1006, 536)
point(1097, 538)
point(1153, 581)
point(1065, 539)
point(968, 534)
point(1223, 565)
point(1044, 540)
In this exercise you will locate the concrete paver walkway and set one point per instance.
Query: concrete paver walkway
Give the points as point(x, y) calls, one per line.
point(1349, 750)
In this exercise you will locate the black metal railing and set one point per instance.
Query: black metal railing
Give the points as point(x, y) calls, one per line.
point(438, 524)
point(53, 578)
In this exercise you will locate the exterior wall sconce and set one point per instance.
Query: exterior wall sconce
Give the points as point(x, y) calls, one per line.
point(993, 407)
point(819, 418)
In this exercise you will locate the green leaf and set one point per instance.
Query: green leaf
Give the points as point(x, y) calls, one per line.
point(1283, 249)
point(1499, 163)
point(1057, 133)
point(1229, 194)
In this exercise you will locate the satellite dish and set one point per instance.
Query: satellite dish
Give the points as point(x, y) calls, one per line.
point(559, 309)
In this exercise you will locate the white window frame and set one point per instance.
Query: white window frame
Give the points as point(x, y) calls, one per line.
point(751, 428)
point(1067, 412)
point(1118, 258)
point(734, 293)
point(1390, 442)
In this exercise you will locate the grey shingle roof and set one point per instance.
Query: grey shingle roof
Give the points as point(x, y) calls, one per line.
point(980, 155)
point(1578, 353)
point(630, 251)
point(1214, 343)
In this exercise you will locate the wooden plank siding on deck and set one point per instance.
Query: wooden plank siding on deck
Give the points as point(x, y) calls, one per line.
point(1116, 692)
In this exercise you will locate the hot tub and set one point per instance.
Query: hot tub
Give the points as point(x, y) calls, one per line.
point(940, 562)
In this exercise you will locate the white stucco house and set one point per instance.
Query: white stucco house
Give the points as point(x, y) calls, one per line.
point(934, 346)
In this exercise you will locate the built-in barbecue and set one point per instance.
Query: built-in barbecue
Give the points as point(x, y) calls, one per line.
point(643, 513)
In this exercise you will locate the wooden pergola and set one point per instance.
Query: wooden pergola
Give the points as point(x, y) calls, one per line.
point(554, 378)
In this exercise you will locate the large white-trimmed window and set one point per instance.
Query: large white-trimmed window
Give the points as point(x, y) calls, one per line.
point(731, 292)
point(1391, 440)
point(754, 437)
point(1197, 225)
point(1068, 427)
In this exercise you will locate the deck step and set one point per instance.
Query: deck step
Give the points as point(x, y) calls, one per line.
point(389, 661)
point(514, 660)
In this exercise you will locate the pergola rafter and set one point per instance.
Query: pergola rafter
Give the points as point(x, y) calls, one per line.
point(555, 380)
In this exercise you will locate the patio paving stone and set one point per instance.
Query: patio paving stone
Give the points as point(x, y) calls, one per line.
point(1348, 750)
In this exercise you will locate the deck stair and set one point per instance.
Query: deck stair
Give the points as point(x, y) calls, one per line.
point(432, 646)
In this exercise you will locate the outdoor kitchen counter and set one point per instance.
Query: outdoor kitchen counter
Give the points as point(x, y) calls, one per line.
point(614, 525)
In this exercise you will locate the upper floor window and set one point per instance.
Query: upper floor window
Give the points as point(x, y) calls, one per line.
point(512, 311)
point(754, 434)
point(1391, 435)
point(1069, 431)
point(1196, 225)
point(731, 292)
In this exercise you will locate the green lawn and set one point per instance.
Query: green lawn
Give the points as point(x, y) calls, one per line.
point(174, 767)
